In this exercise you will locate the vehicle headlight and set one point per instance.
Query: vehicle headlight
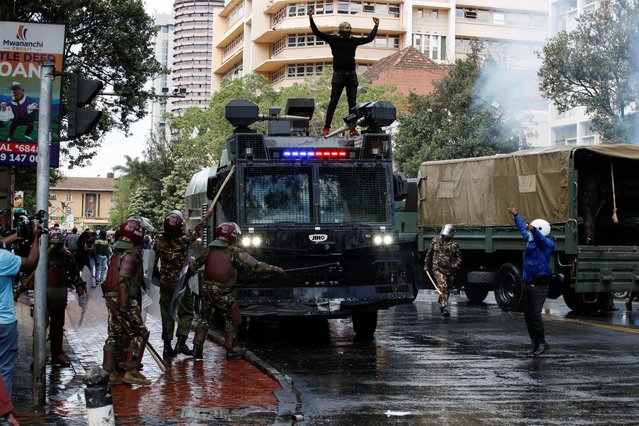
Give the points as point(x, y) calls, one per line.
point(251, 241)
point(377, 240)
point(388, 239)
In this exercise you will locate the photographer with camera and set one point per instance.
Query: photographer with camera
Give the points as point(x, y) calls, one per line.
point(10, 265)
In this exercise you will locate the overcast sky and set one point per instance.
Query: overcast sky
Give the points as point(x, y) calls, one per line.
point(115, 145)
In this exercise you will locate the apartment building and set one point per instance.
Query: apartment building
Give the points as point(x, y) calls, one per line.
point(163, 85)
point(273, 37)
point(192, 53)
point(82, 202)
point(571, 127)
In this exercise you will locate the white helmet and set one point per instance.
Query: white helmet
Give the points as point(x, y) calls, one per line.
point(448, 230)
point(542, 225)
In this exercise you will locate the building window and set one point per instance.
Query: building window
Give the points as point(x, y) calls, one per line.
point(69, 197)
point(52, 197)
point(433, 46)
point(90, 214)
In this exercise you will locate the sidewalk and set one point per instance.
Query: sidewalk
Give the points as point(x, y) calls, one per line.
point(208, 392)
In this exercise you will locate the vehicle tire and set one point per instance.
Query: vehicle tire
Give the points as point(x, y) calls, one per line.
point(508, 287)
point(476, 292)
point(365, 324)
point(621, 294)
point(579, 302)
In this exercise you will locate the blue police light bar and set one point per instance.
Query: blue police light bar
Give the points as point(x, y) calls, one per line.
point(314, 153)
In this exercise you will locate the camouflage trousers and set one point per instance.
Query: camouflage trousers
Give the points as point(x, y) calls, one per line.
point(443, 282)
point(214, 297)
point(126, 335)
point(185, 311)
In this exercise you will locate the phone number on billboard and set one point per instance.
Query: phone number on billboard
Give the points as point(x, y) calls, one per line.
point(9, 158)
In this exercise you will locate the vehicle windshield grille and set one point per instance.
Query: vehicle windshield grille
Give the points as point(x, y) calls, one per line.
point(284, 195)
point(352, 195)
point(277, 194)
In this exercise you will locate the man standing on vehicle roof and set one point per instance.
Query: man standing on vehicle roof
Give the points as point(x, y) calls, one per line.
point(444, 256)
point(171, 250)
point(222, 264)
point(343, 48)
point(536, 276)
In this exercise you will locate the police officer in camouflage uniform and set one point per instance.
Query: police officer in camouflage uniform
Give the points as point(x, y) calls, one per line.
point(127, 334)
point(444, 259)
point(222, 263)
point(171, 250)
point(62, 271)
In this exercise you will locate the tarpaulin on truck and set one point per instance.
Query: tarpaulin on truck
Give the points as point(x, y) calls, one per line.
point(478, 191)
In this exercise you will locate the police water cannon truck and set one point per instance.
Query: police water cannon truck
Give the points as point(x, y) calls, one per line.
point(321, 208)
point(588, 194)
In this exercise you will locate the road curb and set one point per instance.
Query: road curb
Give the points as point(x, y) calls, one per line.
point(289, 402)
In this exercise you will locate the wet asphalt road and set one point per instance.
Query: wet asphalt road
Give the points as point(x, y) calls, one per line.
point(469, 369)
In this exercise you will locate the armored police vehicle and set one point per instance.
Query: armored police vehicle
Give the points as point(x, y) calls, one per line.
point(588, 194)
point(321, 208)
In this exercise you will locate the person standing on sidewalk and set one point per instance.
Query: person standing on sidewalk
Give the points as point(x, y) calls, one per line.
point(62, 271)
point(222, 263)
point(171, 250)
point(343, 47)
point(127, 334)
point(10, 265)
point(536, 276)
point(102, 252)
point(71, 241)
point(444, 259)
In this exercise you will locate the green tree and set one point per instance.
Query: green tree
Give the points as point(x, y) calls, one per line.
point(105, 40)
point(595, 66)
point(448, 124)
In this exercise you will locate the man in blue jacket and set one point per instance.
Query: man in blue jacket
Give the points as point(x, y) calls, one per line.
point(536, 276)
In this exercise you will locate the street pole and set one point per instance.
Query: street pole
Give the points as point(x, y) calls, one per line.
point(42, 203)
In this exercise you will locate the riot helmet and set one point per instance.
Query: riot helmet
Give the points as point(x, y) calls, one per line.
point(56, 236)
point(228, 231)
point(132, 231)
point(448, 230)
point(173, 222)
point(542, 225)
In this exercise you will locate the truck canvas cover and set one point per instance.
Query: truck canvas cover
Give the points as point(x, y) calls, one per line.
point(536, 181)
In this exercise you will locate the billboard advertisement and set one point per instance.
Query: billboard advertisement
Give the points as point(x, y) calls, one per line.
point(24, 46)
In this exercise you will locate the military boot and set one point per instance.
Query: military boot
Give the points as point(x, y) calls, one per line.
point(134, 377)
point(168, 351)
point(445, 311)
point(115, 379)
point(198, 352)
point(543, 346)
point(235, 353)
point(180, 346)
point(534, 347)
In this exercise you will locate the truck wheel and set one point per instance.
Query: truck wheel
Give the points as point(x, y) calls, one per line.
point(475, 292)
point(508, 287)
point(365, 324)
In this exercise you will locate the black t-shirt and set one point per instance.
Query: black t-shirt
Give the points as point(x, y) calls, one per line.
point(343, 49)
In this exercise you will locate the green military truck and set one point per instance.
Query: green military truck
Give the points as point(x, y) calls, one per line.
point(589, 194)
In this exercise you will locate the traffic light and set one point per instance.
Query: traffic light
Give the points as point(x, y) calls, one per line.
point(81, 92)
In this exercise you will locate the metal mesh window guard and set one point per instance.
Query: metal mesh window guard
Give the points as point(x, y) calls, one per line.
point(349, 195)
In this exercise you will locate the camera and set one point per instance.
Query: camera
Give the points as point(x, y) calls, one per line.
point(25, 224)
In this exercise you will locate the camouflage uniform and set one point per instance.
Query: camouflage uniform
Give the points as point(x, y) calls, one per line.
point(172, 252)
point(444, 259)
point(217, 295)
point(127, 334)
point(62, 271)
